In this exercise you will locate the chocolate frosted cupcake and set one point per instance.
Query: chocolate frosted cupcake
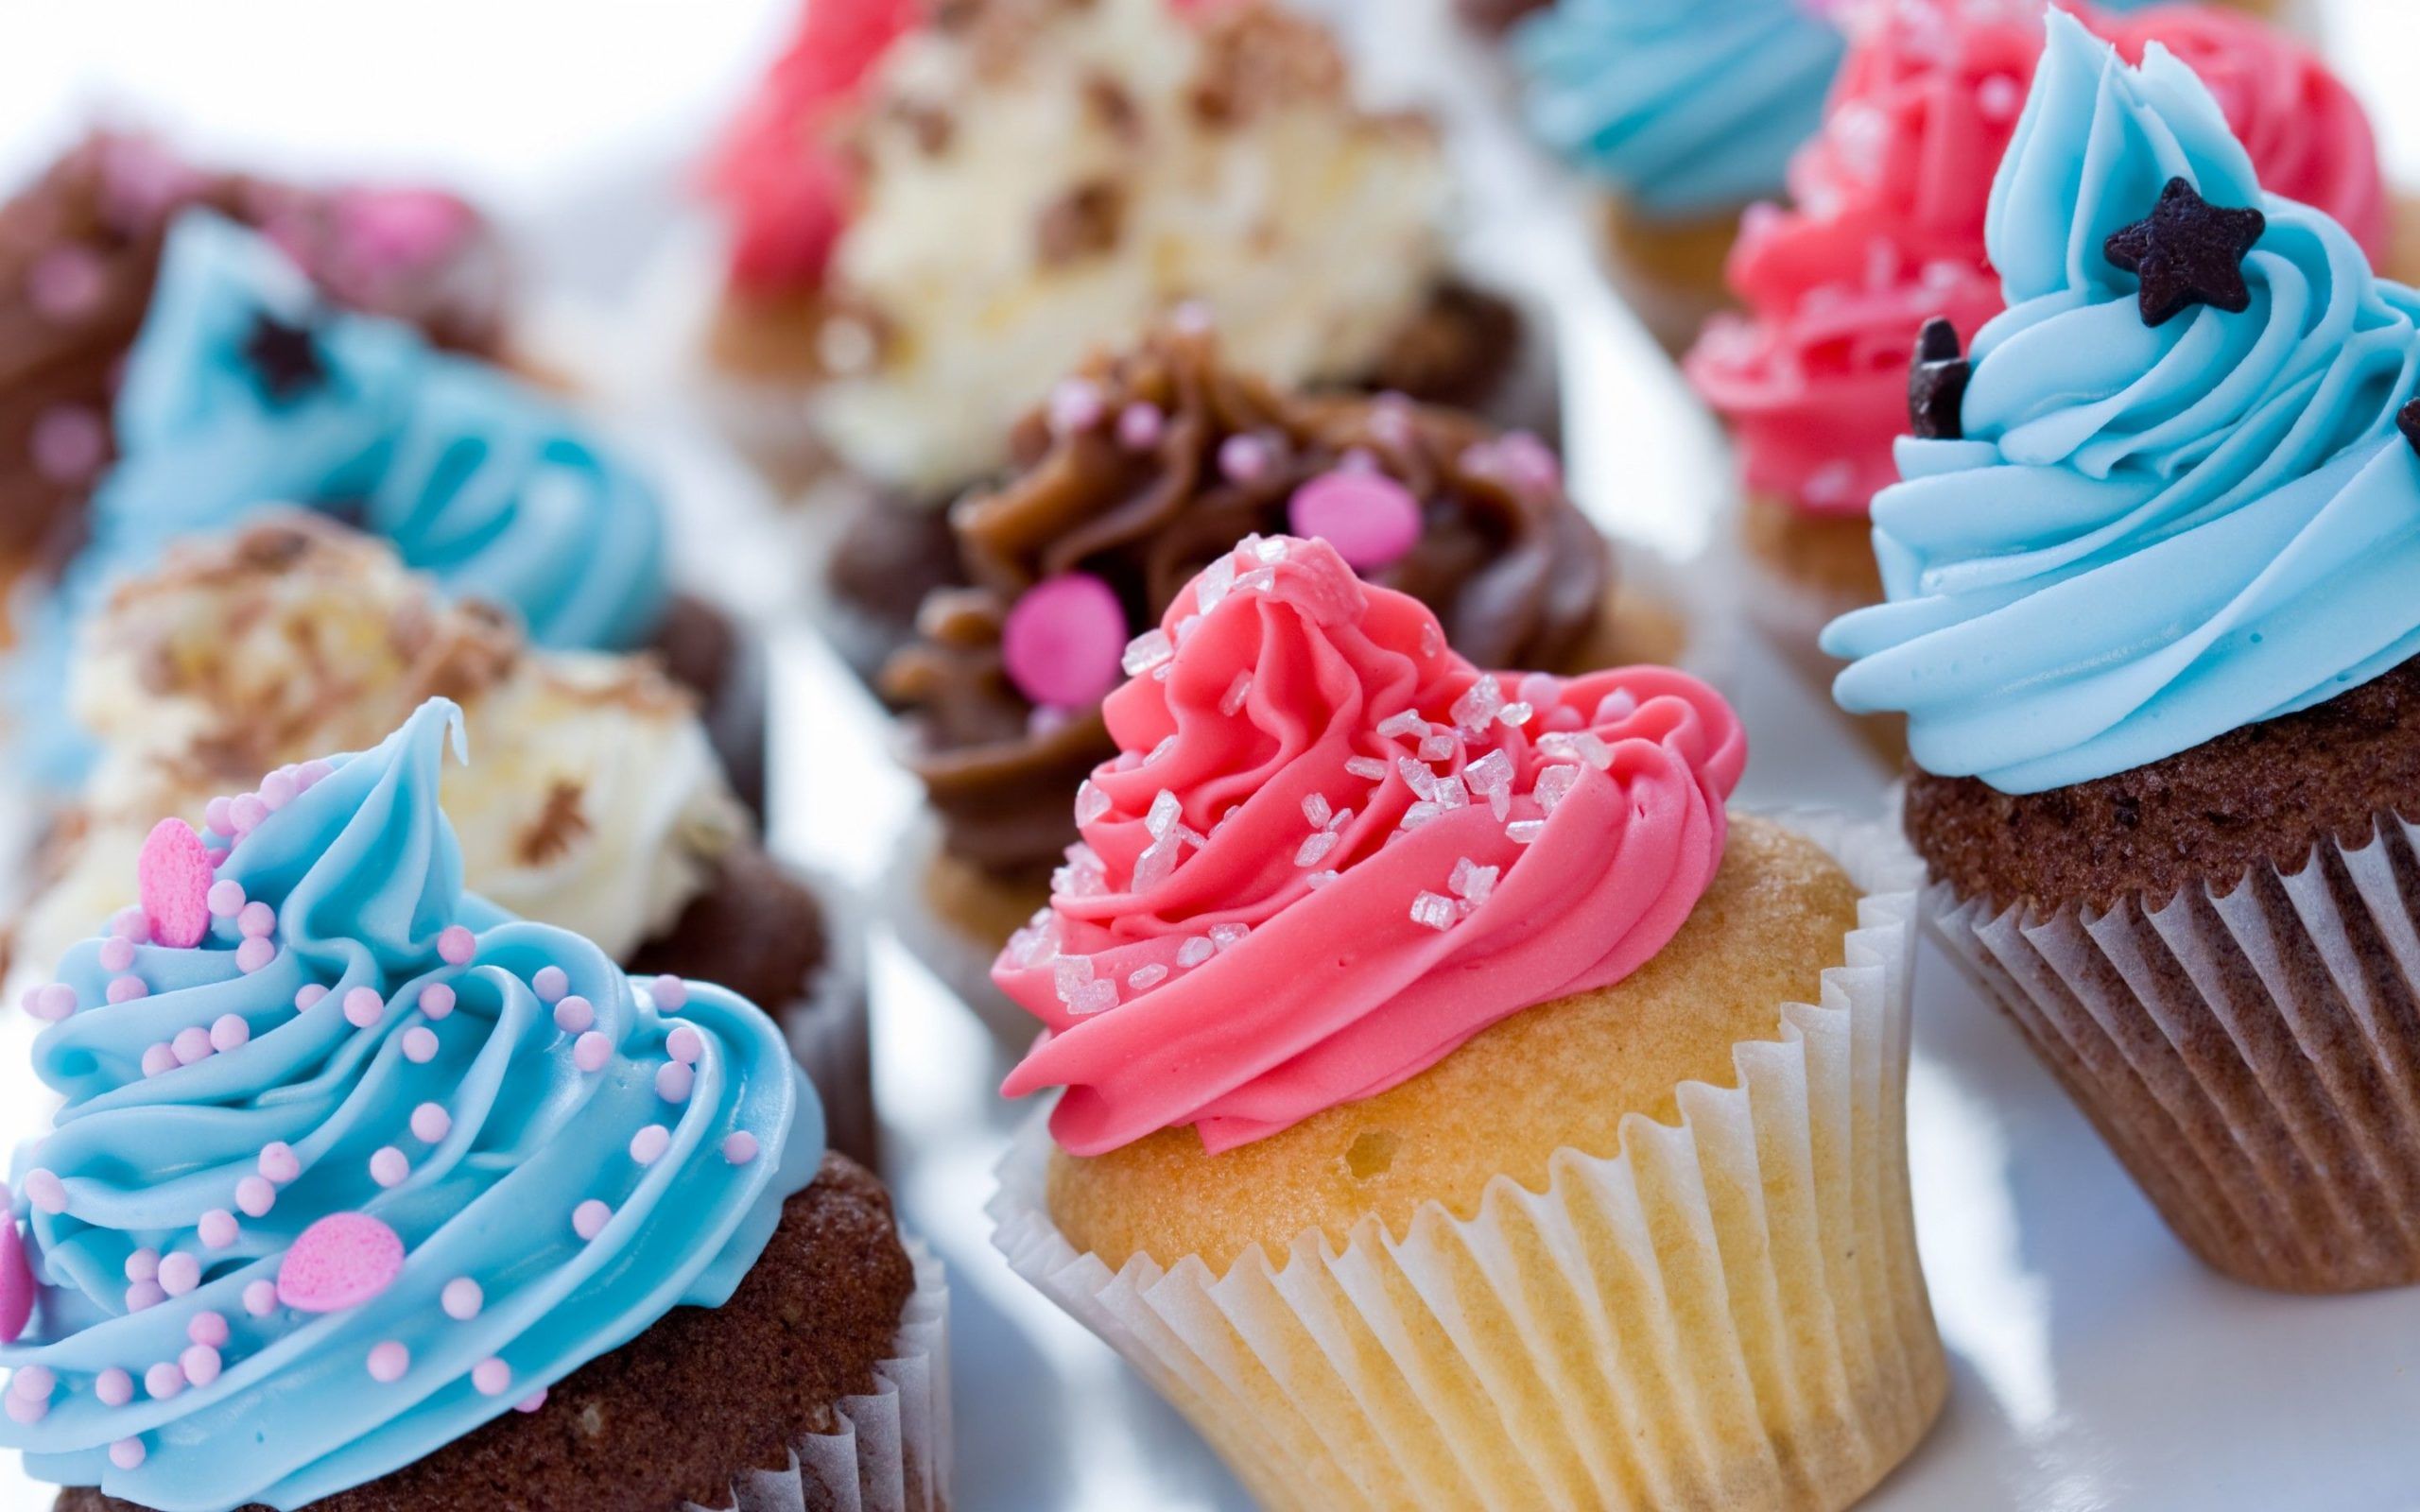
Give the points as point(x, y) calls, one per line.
point(938, 211)
point(1146, 470)
point(594, 800)
point(80, 258)
point(246, 390)
point(2151, 624)
point(370, 1194)
point(1445, 1119)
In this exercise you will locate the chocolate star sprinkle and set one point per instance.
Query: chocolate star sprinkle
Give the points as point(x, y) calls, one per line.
point(2407, 419)
point(285, 355)
point(1937, 384)
point(2187, 251)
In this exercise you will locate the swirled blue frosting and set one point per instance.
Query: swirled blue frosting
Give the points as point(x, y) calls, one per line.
point(479, 479)
point(363, 873)
point(2149, 536)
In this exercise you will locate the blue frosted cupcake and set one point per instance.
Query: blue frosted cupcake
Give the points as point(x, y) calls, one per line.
point(368, 1194)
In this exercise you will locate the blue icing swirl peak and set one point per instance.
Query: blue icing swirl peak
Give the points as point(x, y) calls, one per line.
point(2149, 536)
point(497, 1093)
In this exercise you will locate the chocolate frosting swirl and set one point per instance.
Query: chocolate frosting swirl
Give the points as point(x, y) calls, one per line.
point(1514, 572)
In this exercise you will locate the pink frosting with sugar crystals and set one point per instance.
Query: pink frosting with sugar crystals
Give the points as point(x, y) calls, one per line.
point(1886, 228)
point(1349, 901)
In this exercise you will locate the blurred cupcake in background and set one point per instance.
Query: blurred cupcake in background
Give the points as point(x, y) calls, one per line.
point(1882, 252)
point(369, 1195)
point(1447, 1115)
point(2150, 620)
point(246, 391)
point(1149, 468)
point(80, 252)
point(593, 800)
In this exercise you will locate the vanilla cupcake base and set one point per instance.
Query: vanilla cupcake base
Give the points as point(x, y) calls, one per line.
point(1728, 1312)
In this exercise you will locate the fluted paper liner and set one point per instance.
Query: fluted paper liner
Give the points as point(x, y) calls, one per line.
point(2252, 1058)
point(891, 1450)
point(1726, 1313)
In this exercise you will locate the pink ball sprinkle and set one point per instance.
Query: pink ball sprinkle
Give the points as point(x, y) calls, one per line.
point(456, 944)
point(160, 1059)
point(229, 1032)
point(1245, 460)
point(1140, 425)
point(591, 1051)
point(431, 1122)
point(685, 1045)
point(126, 989)
point(649, 1144)
point(117, 954)
point(45, 1191)
point(674, 1081)
point(575, 1014)
point(54, 1001)
point(342, 1260)
point(127, 1453)
point(1076, 405)
point(163, 1381)
point(143, 1296)
point(215, 813)
point(388, 1167)
point(66, 284)
point(387, 1362)
point(218, 1228)
point(143, 1266)
point(364, 1007)
point(226, 898)
point(279, 1162)
point(200, 1364)
point(311, 773)
point(113, 1386)
point(588, 1220)
point(255, 1196)
point(255, 954)
point(260, 1299)
point(24, 1410)
point(419, 1044)
point(1065, 640)
point(740, 1148)
point(180, 1274)
point(436, 1001)
point(69, 443)
point(463, 1299)
point(192, 1045)
point(550, 984)
point(533, 1401)
point(491, 1377)
point(1369, 518)
point(277, 789)
point(670, 993)
point(208, 1327)
point(307, 996)
point(33, 1382)
point(247, 811)
point(255, 919)
point(132, 925)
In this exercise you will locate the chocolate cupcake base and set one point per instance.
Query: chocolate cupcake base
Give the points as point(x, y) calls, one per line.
point(705, 649)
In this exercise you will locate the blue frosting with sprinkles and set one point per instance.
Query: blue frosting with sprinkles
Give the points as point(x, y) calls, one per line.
point(246, 391)
point(497, 1098)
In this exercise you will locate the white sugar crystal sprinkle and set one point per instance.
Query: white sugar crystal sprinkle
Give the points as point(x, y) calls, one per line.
point(1156, 864)
point(1500, 803)
point(1440, 748)
point(1195, 951)
point(1258, 580)
point(1525, 831)
point(1091, 802)
point(1436, 912)
point(1071, 975)
point(1184, 629)
point(1270, 549)
point(1515, 714)
point(1238, 692)
point(1187, 834)
point(1227, 936)
point(1340, 819)
point(1420, 813)
point(1554, 783)
point(1450, 794)
point(1473, 882)
point(1168, 744)
point(1316, 846)
point(1407, 723)
point(1099, 997)
point(1417, 777)
point(1210, 588)
point(1144, 978)
point(1491, 773)
point(1369, 768)
point(1476, 708)
point(1320, 879)
point(1146, 651)
point(1164, 813)
point(1432, 640)
point(1316, 810)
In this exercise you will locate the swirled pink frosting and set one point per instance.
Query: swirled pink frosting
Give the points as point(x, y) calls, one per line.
point(1333, 850)
point(1886, 228)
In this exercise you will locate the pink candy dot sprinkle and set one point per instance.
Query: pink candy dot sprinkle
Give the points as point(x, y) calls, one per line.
point(533, 1401)
point(671, 993)
point(342, 1260)
point(229, 1032)
point(575, 1014)
point(1369, 518)
point(674, 1081)
point(255, 919)
point(143, 1296)
point(143, 1266)
point(180, 1274)
point(260, 1299)
point(491, 1377)
point(279, 1162)
point(33, 1382)
point(192, 1045)
point(649, 1144)
point(278, 789)
point(127, 1453)
point(66, 284)
point(364, 1007)
point(45, 1191)
point(69, 443)
point(685, 1045)
point(588, 1220)
point(311, 773)
point(550, 984)
point(218, 1228)
point(132, 925)
point(1245, 458)
point(255, 1196)
point(389, 1167)
point(1065, 640)
point(24, 1410)
point(117, 954)
point(591, 1051)
point(113, 1386)
point(431, 1122)
point(456, 944)
point(436, 1001)
point(307, 996)
point(1140, 425)
point(200, 1364)
point(247, 811)
point(208, 1327)
point(463, 1299)
point(55, 1000)
point(226, 898)
point(126, 989)
point(215, 813)
point(160, 1059)
point(387, 1362)
point(740, 1148)
point(1076, 405)
point(255, 954)
point(419, 1044)
point(163, 1381)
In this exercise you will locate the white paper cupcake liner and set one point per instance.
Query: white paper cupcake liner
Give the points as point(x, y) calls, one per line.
point(891, 1452)
point(831, 1032)
point(1727, 1314)
point(2253, 1059)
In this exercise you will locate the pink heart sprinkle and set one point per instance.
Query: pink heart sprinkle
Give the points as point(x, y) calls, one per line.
point(1063, 642)
point(342, 1260)
point(172, 876)
point(1368, 517)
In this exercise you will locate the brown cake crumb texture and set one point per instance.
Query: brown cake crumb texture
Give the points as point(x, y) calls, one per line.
point(704, 1395)
point(2262, 796)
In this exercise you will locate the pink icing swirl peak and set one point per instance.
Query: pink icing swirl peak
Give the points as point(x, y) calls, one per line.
point(1333, 850)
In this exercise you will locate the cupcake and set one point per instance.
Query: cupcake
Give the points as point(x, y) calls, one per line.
point(369, 1195)
point(2150, 623)
point(1146, 469)
point(244, 389)
point(80, 258)
point(594, 800)
point(937, 210)
point(1446, 1119)
point(1885, 242)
